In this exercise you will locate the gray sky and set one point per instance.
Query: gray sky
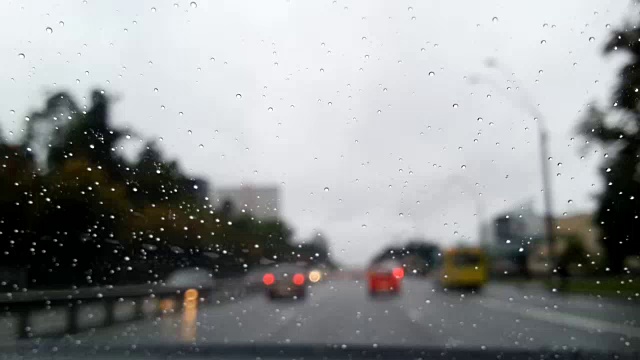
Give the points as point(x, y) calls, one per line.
point(354, 107)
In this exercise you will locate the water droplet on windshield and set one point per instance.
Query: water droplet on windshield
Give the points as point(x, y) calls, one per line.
point(153, 9)
point(542, 42)
point(592, 39)
point(238, 96)
point(193, 4)
point(431, 73)
point(49, 30)
point(495, 19)
point(61, 23)
point(21, 56)
point(270, 109)
point(455, 106)
point(326, 189)
point(569, 201)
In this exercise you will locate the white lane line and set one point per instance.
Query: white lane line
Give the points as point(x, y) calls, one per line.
point(560, 318)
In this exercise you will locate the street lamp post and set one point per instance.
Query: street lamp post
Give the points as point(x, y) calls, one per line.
point(525, 101)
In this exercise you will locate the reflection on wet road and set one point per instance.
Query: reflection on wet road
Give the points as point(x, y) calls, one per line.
point(341, 312)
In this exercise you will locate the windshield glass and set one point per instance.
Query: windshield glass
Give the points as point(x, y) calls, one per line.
point(452, 175)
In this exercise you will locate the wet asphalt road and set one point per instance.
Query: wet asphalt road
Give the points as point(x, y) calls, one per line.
point(341, 312)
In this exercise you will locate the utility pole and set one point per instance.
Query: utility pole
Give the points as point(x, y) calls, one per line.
point(525, 101)
point(546, 186)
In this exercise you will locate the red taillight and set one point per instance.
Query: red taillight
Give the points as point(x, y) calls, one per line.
point(298, 279)
point(268, 279)
point(398, 272)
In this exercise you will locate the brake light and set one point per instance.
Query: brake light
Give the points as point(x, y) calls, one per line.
point(298, 279)
point(268, 279)
point(398, 272)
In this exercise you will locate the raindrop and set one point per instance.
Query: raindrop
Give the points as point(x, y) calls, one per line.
point(463, 167)
point(542, 42)
point(569, 201)
point(49, 30)
point(21, 56)
point(495, 19)
point(26, 118)
point(410, 8)
point(379, 111)
point(608, 170)
point(201, 146)
point(238, 96)
point(607, 26)
point(321, 70)
point(326, 189)
point(592, 39)
point(364, 226)
point(155, 89)
point(270, 109)
point(189, 132)
point(455, 106)
point(431, 73)
point(61, 23)
point(193, 4)
point(480, 119)
point(153, 9)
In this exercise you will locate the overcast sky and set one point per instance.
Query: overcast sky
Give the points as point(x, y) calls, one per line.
point(370, 100)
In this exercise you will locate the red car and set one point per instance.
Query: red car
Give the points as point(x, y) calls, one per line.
point(285, 280)
point(385, 277)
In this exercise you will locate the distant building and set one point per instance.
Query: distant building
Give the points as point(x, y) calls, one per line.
point(261, 202)
point(578, 228)
point(512, 236)
point(517, 227)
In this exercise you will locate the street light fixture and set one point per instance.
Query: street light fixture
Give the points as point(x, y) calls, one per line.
point(524, 101)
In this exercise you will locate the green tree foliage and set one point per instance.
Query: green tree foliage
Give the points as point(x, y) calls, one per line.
point(617, 129)
point(72, 208)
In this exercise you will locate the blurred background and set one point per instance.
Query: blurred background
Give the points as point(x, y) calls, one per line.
point(489, 150)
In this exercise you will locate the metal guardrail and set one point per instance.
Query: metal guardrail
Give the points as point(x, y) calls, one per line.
point(23, 304)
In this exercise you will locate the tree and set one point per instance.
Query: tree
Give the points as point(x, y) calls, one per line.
point(617, 129)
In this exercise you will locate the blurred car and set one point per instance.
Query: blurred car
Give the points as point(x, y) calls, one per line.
point(286, 280)
point(464, 268)
point(385, 277)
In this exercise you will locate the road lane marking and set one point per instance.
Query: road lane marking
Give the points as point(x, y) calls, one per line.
point(560, 318)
